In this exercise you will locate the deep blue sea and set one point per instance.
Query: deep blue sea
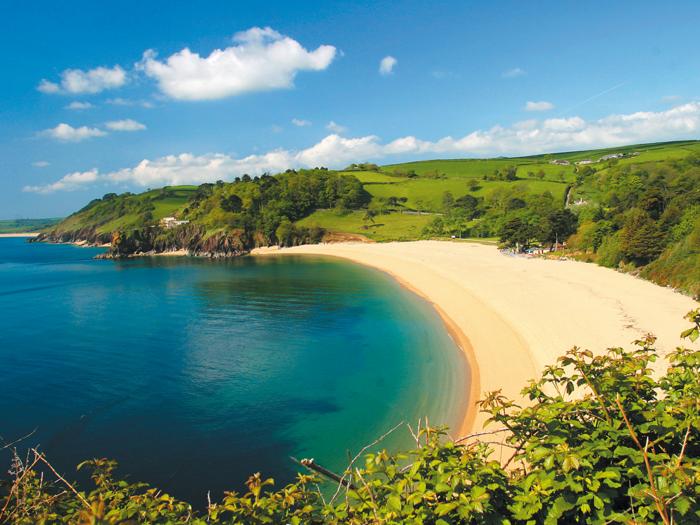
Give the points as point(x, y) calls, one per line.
point(195, 373)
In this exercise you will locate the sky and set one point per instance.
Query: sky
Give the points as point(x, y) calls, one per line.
point(101, 97)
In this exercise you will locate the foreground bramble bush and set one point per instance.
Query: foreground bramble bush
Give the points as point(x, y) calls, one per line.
point(601, 441)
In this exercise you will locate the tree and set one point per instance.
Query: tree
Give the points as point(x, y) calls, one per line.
point(516, 233)
point(447, 201)
point(641, 239)
point(559, 225)
point(369, 216)
point(473, 185)
point(469, 204)
point(285, 233)
point(232, 203)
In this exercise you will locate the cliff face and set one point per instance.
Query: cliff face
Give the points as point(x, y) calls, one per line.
point(193, 238)
point(84, 235)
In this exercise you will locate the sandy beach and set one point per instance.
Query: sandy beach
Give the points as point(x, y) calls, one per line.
point(511, 315)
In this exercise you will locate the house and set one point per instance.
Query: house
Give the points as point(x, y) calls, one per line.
point(611, 156)
point(584, 161)
point(560, 162)
point(171, 222)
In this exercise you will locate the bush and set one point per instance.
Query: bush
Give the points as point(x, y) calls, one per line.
point(610, 252)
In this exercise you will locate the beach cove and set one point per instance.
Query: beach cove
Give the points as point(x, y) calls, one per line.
point(195, 373)
point(512, 316)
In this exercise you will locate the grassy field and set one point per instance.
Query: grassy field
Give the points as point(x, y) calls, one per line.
point(429, 180)
point(390, 227)
point(26, 225)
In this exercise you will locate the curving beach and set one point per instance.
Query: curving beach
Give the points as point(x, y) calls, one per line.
point(514, 315)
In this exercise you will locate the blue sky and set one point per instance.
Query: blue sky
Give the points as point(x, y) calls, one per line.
point(466, 79)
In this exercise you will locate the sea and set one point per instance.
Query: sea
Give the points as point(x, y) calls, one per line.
point(195, 373)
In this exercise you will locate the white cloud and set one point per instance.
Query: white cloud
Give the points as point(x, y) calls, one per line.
point(261, 59)
point(70, 182)
point(525, 137)
point(77, 81)
point(542, 105)
point(41, 164)
point(76, 105)
point(129, 102)
point(513, 73)
point(301, 122)
point(67, 133)
point(124, 125)
point(387, 64)
point(336, 128)
point(276, 128)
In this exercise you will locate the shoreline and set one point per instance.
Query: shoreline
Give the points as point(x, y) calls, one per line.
point(18, 234)
point(456, 334)
point(472, 420)
point(513, 316)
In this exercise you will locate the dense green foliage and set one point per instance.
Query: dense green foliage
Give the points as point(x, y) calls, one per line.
point(267, 206)
point(643, 215)
point(601, 440)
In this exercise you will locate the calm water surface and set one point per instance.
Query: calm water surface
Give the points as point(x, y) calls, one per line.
point(195, 373)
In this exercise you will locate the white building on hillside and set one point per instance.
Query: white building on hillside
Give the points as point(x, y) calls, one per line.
point(171, 222)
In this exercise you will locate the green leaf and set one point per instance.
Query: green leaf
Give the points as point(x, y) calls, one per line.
point(394, 502)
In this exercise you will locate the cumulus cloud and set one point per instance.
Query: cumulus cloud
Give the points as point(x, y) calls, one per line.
point(77, 81)
point(67, 133)
point(124, 125)
point(41, 164)
point(525, 137)
point(118, 101)
point(542, 105)
point(336, 128)
point(299, 122)
point(260, 59)
point(76, 105)
point(70, 182)
point(513, 73)
point(387, 64)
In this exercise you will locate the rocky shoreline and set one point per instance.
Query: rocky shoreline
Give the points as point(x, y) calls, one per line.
point(191, 240)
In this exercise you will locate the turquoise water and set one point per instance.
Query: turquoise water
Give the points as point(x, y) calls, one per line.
point(195, 373)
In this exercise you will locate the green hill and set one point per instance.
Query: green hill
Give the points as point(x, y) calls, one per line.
point(26, 225)
point(633, 207)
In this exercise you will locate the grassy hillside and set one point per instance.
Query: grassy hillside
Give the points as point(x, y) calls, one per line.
point(26, 225)
point(114, 212)
point(633, 207)
point(394, 226)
